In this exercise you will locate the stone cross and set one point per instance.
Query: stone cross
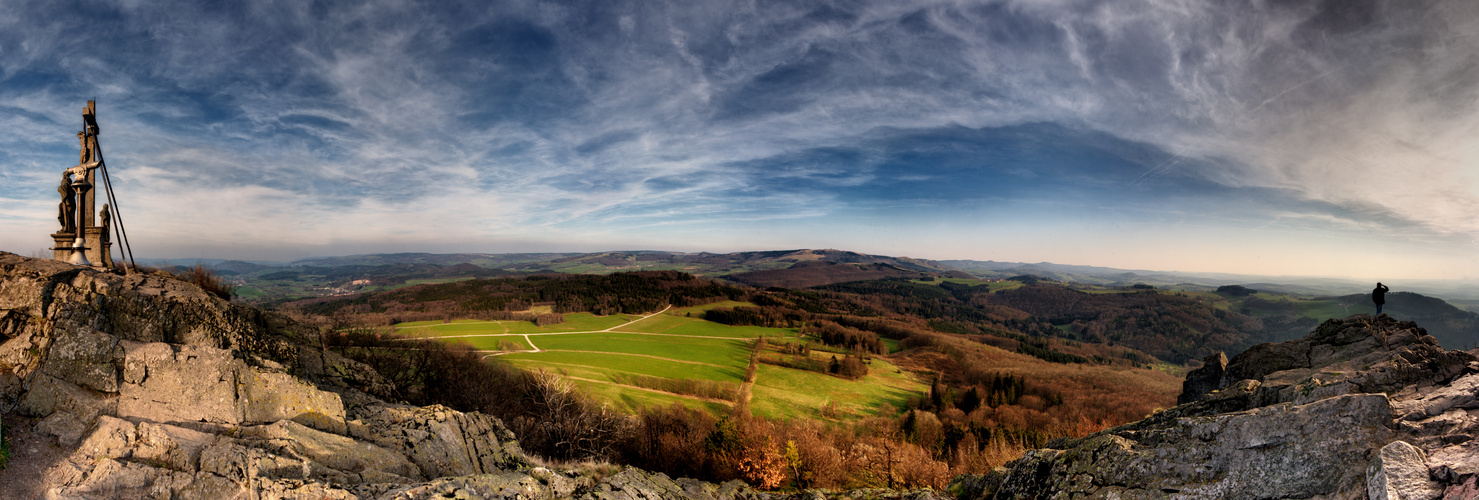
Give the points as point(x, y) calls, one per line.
point(78, 206)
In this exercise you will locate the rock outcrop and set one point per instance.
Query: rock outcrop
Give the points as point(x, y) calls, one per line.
point(144, 386)
point(1365, 407)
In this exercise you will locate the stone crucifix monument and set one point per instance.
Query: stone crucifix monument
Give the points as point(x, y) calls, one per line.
point(83, 239)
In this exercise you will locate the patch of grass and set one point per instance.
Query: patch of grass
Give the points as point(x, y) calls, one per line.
point(709, 389)
point(958, 281)
point(434, 322)
point(677, 347)
point(627, 363)
point(699, 350)
point(891, 344)
point(631, 401)
point(778, 393)
point(495, 343)
point(696, 310)
point(428, 281)
point(5, 452)
point(791, 394)
point(1326, 309)
point(678, 325)
point(574, 322)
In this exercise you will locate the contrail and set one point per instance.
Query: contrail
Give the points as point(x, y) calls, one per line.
point(1164, 165)
point(1291, 89)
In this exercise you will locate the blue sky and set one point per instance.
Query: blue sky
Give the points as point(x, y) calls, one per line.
point(1329, 138)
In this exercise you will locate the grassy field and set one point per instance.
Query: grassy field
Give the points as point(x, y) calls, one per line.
point(1326, 309)
point(574, 322)
point(786, 393)
point(691, 349)
point(679, 325)
point(425, 281)
point(494, 343)
point(991, 285)
point(698, 310)
point(642, 365)
point(633, 400)
point(593, 351)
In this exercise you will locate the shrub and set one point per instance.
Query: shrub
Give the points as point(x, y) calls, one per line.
point(209, 281)
point(544, 410)
point(199, 275)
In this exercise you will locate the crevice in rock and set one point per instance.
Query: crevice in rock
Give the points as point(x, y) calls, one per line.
point(48, 290)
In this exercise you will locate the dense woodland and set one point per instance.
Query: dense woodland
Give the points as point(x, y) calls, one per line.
point(378, 275)
point(1173, 327)
point(619, 293)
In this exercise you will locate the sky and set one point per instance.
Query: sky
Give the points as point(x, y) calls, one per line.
point(1336, 138)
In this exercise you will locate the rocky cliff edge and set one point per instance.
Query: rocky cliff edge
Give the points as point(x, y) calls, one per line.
point(1364, 407)
point(144, 386)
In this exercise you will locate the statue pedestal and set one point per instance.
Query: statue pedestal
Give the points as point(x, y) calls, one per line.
point(97, 249)
point(99, 254)
point(62, 250)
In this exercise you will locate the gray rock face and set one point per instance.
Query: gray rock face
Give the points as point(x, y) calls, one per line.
point(1358, 354)
point(154, 389)
point(162, 390)
point(1361, 408)
point(1272, 452)
point(1400, 472)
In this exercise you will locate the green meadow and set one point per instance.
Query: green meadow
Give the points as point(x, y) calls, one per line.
point(574, 322)
point(595, 351)
point(786, 393)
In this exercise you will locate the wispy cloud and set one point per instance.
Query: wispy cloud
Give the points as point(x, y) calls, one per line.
point(400, 121)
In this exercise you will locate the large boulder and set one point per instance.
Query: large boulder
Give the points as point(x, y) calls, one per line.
point(1365, 407)
point(1360, 354)
point(1271, 452)
point(158, 389)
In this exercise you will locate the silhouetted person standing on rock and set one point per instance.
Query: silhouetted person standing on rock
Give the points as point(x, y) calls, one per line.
point(1379, 296)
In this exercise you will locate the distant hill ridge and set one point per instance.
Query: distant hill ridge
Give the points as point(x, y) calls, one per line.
point(810, 268)
point(772, 265)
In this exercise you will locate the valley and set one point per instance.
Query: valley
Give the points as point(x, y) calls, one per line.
point(960, 371)
point(618, 363)
point(906, 378)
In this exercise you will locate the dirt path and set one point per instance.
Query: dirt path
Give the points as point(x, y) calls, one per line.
point(32, 453)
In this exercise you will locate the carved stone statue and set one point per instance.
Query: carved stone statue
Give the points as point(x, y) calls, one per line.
point(67, 210)
point(105, 216)
point(85, 152)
